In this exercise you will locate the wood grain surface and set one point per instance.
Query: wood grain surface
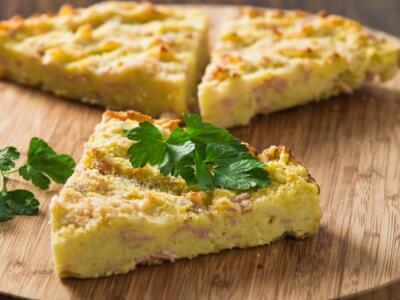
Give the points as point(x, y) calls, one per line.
point(351, 144)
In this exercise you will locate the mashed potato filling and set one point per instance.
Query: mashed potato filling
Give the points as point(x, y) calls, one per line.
point(116, 54)
point(111, 217)
point(269, 60)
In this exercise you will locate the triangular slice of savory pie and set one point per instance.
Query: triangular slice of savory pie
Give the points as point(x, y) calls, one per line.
point(269, 60)
point(122, 55)
point(111, 217)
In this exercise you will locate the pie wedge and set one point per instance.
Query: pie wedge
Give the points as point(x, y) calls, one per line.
point(116, 54)
point(268, 60)
point(111, 217)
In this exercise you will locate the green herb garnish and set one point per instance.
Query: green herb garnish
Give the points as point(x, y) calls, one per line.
point(205, 156)
point(42, 165)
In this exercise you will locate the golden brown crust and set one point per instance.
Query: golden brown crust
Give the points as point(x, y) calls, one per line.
point(11, 26)
point(274, 152)
point(126, 115)
point(251, 149)
point(139, 117)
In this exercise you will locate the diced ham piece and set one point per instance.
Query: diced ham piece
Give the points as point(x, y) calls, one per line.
point(273, 83)
point(198, 206)
point(129, 237)
point(227, 103)
point(244, 201)
point(157, 257)
point(278, 84)
point(286, 221)
point(241, 197)
point(101, 162)
point(198, 232)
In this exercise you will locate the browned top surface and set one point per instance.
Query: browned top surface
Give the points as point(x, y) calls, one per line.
point(351, 144)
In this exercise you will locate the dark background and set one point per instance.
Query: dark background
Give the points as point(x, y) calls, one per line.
point(381, 14)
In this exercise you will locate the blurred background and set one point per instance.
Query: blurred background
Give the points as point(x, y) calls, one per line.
point(381, 14)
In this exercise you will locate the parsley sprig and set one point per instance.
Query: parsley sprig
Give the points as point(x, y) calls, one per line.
point(42, 164)
point(205, 156)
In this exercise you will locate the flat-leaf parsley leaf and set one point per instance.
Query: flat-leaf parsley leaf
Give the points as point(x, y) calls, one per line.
point(42, 164)
point(7, 157)
point(205, 156)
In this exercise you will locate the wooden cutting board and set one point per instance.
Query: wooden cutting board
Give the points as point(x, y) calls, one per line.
point(351, 145)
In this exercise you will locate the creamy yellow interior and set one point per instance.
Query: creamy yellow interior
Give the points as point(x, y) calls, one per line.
point(266, 61)
point(111, 217)
point(120, 55)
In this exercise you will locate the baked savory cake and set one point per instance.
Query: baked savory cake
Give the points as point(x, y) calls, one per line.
point(111, 217)
point(117, 54)
point(268, 60)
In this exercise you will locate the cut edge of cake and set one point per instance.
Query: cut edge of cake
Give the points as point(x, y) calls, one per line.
point(69, 54)
point(107, 220)
point(243, 80)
